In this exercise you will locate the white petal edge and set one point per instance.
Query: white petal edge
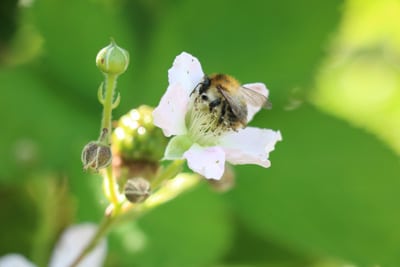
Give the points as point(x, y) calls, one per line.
point(259, 88)
point(186, 71)
point(170, 114)
point(250, 146)
point(71, 243)
point(15, 260)
point(207, 161)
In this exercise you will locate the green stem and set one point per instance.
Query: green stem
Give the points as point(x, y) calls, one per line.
point(165, 194)
point(111, 186)
point(101, 232)
point(110, 84)
point(168, 173)
point(182, 183)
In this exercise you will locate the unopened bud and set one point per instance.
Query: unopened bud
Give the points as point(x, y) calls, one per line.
point(112, 59)
point(137, 189)
point(96, 156)
point(136, 138)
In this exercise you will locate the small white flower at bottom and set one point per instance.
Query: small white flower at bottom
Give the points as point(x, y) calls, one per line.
point(71, 243)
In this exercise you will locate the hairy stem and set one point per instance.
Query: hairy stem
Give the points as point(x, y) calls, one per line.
point(111, 187)
point(110, 84)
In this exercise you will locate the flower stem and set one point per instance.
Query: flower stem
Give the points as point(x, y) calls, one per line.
point(181, 183)
point(101, 232)
point(110, 84)
point(107, 96)
point(168, 173)
point(110, 185)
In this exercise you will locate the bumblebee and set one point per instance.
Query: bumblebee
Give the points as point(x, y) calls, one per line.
point(227, 99)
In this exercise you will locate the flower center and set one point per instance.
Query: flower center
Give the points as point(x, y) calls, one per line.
point(204, 124)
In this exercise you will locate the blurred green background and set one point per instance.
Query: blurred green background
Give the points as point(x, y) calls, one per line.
point(331, 197)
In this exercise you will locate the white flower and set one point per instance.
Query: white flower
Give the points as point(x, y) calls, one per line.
point(15, 260)
point(67, 249)
point(207, 150)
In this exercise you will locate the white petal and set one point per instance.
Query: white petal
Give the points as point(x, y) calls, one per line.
point(15, 260)
point(186, 71)
point(259, 88)
point(250, 146)
point(207, 161)
point(169, 115)
point(72, 242)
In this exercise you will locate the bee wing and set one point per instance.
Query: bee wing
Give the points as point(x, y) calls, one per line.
point(238, 107)
point(255, 95)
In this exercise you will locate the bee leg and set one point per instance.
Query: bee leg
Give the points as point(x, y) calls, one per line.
point(214, 103)
point(221, 118)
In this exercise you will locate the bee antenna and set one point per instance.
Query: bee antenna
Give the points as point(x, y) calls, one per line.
point(200, 83)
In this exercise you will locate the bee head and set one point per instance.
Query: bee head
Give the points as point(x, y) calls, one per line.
point(204, 85)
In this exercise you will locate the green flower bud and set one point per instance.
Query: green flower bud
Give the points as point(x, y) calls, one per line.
point(112, 59)
point(137, 146)
point(136, 138)
point(137, 190)
point(96, 155)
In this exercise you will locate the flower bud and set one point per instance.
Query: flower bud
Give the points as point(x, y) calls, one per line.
point(112, 59)
point(137, 139)
point(96, 156)
point(137, 146)
point(137, 189)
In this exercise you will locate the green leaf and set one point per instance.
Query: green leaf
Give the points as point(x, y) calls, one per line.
point(331, 190)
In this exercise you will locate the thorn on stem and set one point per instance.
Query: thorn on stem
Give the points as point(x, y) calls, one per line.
point(116, 102)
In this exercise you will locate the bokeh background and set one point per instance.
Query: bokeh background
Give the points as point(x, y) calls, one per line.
point(332, 195)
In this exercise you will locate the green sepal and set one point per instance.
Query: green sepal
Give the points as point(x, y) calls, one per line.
point(177, 146)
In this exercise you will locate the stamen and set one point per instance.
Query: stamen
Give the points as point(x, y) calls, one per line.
point(204, 125)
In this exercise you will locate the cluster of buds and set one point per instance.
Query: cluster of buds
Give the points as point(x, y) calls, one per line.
point(138, 147)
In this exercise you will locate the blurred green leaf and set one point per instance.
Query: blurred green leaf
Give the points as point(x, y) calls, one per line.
point(8, 20)
point(268, 41)
point(251, 249)
point(55, 129)
point(360, 79)
point(19, 219)
point(332, 190)
point(44, 133)
point(74, 31)
point(192, 230)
